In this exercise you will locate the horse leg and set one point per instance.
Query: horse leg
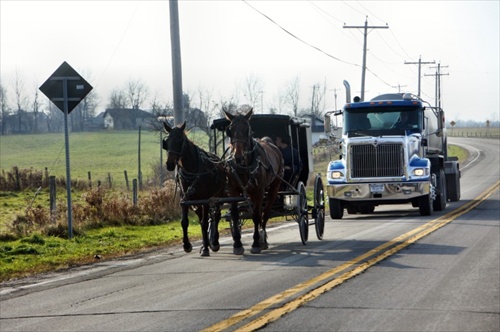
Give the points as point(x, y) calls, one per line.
point(214, 232)
point(185, 224)
point(236, 231)
point(257, 220)
point(202, 213)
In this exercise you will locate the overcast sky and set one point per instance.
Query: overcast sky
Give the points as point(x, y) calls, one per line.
point(225, 42)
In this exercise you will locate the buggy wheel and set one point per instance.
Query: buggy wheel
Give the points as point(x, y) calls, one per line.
point(319, 207)
point(302, 218)
point(304, 228)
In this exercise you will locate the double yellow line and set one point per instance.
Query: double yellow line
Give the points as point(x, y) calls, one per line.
point(395, 245)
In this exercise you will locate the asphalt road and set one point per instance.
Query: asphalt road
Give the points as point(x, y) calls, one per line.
point(392, 270)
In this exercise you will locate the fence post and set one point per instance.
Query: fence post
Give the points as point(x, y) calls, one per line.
point(110, 182)
point(46, 178)
point(134, 191)
point(18, 180)
point(90, 179)
point(126, 179)
point(53, 210)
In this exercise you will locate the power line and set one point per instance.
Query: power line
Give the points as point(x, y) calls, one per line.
point(299, 39)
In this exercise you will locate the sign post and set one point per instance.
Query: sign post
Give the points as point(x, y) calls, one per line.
point(66, 89)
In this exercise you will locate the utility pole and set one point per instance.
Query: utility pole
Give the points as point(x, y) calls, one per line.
point(313, 111)
point(335, 95)
point(176, 63)
point(419, 69)
point(365, 34)
point(398, 86)
point(437, 89)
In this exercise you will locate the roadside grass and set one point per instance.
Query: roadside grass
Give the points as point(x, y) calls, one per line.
point(37, 253)
point(460, 153)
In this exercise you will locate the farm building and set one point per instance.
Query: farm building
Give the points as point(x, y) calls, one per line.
point(126, 118)
point(317, 127)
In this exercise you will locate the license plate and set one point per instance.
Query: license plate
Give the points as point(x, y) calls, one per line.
point(376, 188)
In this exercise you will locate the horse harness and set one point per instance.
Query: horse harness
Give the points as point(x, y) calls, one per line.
point(191, 179)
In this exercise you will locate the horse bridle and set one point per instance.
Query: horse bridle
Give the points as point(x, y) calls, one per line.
point(174, 152)
point(249, 147)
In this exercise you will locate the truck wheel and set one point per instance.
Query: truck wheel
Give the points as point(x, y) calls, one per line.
point(351, 209)
point(336, 208)
point(366, 209)
point(425, 205)
point(453, 182)
point(440, 201)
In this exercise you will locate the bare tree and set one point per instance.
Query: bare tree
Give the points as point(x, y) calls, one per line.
point(280, 102)
point(209, 106)
point(253, 89)
point(117, 99)
point(162, 112)
point(35, 109)
point(292, 94)
point(55, 119)
point(137, 93)
point(3, 107)
point(318, 94)
point(21, 99)
point(81, 116)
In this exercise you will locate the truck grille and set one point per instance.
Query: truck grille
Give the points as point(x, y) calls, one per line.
point(382, 160)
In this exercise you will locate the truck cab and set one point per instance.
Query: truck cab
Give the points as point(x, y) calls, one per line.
point(393, 151)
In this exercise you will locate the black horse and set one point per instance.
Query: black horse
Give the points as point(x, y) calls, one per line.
point(201, 176)
point(255, 170)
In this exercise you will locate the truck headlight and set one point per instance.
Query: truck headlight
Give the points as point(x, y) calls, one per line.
point(419, 172)
point(336, 175)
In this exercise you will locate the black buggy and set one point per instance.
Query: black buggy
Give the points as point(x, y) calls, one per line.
point(292, 201)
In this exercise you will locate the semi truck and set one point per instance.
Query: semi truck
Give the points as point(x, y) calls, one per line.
point(393, 150)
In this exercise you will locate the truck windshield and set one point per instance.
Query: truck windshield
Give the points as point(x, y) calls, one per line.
point(382, 120)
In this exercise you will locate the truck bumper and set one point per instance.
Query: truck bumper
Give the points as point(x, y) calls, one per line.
point(368, 192)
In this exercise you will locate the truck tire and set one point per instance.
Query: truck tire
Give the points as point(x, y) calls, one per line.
point(352, 209)
point(453, 183)
point(366, 209)
point(336, 208)
point(439, 203)
point(425, 205)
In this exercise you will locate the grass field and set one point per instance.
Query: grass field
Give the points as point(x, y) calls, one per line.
point(492, 132)
point(100, 153)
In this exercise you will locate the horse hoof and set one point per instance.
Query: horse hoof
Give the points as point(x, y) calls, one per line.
point(264, 246)
point(238, 251)
point(188, 247)
point(255, 250)
point(215, 247)
point(205, 253)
